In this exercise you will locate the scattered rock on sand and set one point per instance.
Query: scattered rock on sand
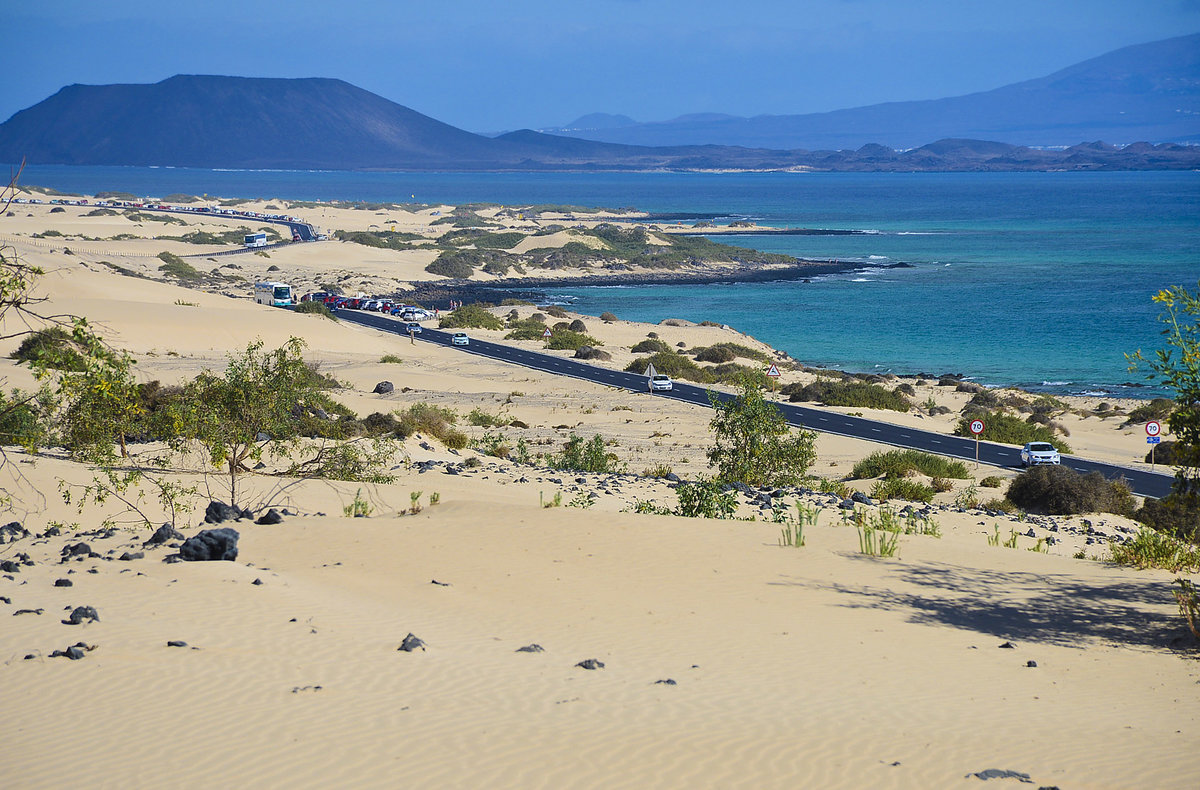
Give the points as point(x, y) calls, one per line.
point(63, 583)
point(177, 643)
point(81, 549)
point(411, 643)
point(12, 531)
point(534, 648)
point(75, 651)
point(80, 614)
point(996, 773)
point(210, 545)
point(163, 534)
point(667, 682)
point(218, 511)
point(383, 388)
point(270, 517)
point(591, 663)
point(131, 555)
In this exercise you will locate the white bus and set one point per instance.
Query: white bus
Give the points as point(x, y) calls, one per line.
point(256, 239)
point(274, 294)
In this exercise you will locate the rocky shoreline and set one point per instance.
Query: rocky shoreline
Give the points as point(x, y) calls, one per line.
point(534, 288)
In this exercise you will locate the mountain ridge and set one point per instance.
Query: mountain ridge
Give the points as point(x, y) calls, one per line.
point(1141, 92)
point(208, 121)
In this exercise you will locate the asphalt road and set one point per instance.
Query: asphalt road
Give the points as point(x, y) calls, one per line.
point(1142, 483)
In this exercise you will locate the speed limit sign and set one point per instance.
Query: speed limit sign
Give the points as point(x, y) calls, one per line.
point(976, 427)
point(1153, 428)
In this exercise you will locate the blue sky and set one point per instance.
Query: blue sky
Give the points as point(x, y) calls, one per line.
point(493, 66)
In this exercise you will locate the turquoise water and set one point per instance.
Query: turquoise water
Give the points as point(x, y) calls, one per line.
point(1041, 280)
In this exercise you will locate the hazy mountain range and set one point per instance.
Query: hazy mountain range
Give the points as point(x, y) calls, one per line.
point(316, 123)
point(1148, 92)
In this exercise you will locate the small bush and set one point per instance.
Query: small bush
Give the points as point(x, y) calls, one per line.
point(991, 481)
point(1006, 429)
point(651, 345)
point(1151, 549)
point(851, 393)
point(1163, 453)
point(435, 421)
point(715, 354)
point(580, 455)
point(608, 317)
point(470, 316)
point(391, 359)
point(1157, 409)
point(451, 265)
point(1062, 491)
point(315, 308)
point(674, 365)
point(1173, 516)
point(53, 347)
point(174, 266)
point(899, 463)
point(901, 488)
point(566, 340)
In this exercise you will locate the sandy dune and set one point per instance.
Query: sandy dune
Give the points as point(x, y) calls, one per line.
point(804, 667)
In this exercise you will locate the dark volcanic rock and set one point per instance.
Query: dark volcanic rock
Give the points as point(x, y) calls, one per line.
point(12, 531)
point(63, 583)
point(211, 545)
point(591, 663)
point(80, 614)
point(131, 555)
point(163, 534)
point(411, 643)
point(217, 512)
point(77, 550)
point(534, 648)
point(177, 643)
point(9, 566)
point(383, 388)
point(74, 652)
point(270, 517)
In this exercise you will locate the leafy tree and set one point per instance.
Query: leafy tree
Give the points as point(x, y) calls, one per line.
point(251, 409)
point(753, 443)
point(1178, 367)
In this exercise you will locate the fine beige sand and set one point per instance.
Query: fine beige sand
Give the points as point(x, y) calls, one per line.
point(791, 667)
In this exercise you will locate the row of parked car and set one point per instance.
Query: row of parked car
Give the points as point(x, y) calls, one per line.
point(375, 305)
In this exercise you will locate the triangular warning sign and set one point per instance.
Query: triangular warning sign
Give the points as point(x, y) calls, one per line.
point(546, 333)
point(650, 371)
point(773, 371)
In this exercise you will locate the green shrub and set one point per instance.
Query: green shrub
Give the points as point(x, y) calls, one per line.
point(733, 373)
point(1157, 409)
point(716, 353)
point(899, 463)
point(1173, 515)
point(470, 316)
point(579, 455)
point(608, 317)
point(566, 340)
point(651, 345)
point(452, 265)
point(174, 266)
point(382, 239)
point(53, 347)
point(1006, 429)
point(315, 308)
point(556, 311)
point(19, 421)
point(435, 421)
point(848, 393)
point(1152, 549)
point(391, 359)
point(528, 329)
point(991, 481)
point(1060, 490)
point(705, 499)
point(901, 488)
point(727, 352)
point(674, 365)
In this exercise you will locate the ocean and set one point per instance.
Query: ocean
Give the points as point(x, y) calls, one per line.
point(1040, 280)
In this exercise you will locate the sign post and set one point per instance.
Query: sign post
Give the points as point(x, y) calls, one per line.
point(1153, 429)
point(773, 374)
point(976, 427)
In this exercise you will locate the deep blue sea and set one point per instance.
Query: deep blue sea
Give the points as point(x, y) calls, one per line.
point(1041, 280)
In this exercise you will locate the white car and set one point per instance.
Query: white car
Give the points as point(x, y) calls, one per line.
point(460, 339)
point(1039, 453)
point(660, 382)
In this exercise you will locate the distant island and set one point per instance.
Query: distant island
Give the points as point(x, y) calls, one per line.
point(316, 123)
